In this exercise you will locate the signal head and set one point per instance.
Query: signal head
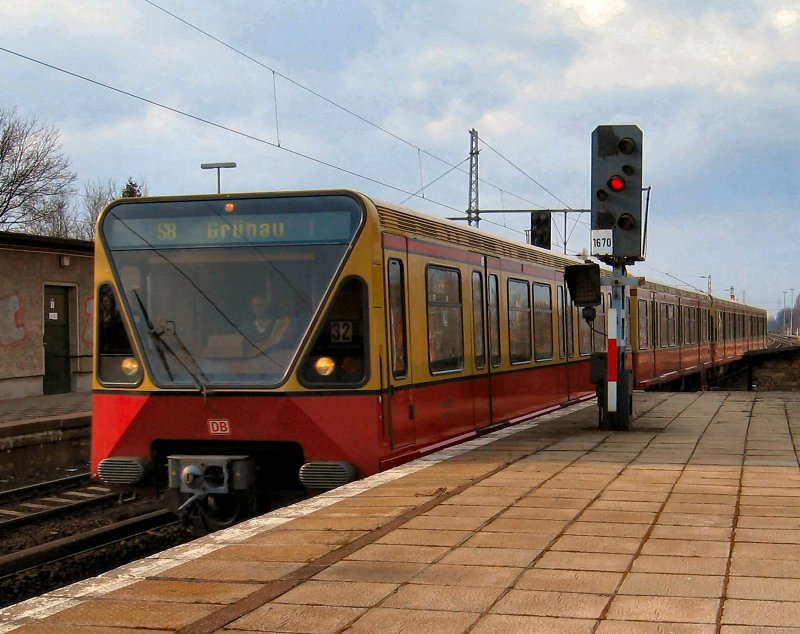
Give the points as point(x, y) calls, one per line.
point(627, 145)
point(616, 183)
point(617, 189)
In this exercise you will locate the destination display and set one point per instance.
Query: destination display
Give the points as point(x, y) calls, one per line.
point(126, 231)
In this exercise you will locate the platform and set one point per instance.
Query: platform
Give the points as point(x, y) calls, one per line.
point(53, 409)
point(691, 523)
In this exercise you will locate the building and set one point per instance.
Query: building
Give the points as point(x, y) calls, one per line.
point(46, 322)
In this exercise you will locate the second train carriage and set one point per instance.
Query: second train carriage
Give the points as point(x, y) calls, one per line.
point(253, 342)
point(682, 337)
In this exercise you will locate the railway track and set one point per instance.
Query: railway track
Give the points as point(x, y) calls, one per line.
point(48, 499)
point(83, 543)
point(782, 342)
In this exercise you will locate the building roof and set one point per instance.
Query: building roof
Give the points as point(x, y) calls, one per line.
point(11, 240)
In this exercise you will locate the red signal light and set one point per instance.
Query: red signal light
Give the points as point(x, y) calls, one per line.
point(616, 183)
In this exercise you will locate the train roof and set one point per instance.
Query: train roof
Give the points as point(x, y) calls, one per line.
point(406, 220)
point(397, 217)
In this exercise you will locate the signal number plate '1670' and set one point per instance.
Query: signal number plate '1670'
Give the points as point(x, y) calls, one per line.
point(219, 426)
point(602, 242)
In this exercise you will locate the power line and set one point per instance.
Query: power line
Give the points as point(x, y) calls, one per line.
point(296, 83)
point(531, 178)
point(276, 73)
point(438, 178)
point(222, 127)
point(521, 171)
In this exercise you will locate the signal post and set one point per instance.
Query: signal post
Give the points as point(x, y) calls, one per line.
point(616, 239)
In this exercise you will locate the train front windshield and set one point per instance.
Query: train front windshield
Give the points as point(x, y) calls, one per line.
point(222, 291)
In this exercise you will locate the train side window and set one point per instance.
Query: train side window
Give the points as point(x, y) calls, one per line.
point(565, 327)
point(585, 336)
point(494, 321)
point(663, 331)
point(478, 327)
point(672, 324)
point(654, 324)
point(116, 362)
point(599, 338)
point(543, 321)
point(628, 320)
point(643, 324)
point(397, 319)
point(703, 326)
point(445, 320)
point(519, 321)
point(338, 356)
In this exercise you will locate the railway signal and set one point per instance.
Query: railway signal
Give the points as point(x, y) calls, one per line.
point(617, 231)
point(540, 229)
point(617, 192)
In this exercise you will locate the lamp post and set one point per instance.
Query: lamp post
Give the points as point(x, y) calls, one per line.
point(707, 277)
point(791, 314)
point(218, 167)
point(784, 312)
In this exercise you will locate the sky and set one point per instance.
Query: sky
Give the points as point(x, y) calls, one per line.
point(380, 95)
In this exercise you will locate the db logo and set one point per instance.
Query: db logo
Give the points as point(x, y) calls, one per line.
point(219, 426)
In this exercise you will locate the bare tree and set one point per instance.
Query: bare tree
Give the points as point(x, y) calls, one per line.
point(33, 170)
point(96, 197)
point(55, 217)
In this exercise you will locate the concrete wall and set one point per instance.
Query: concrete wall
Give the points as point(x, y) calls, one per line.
point(27, 265)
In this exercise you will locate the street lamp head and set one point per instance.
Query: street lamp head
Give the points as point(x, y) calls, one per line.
point(218, 167)
point(211, 166)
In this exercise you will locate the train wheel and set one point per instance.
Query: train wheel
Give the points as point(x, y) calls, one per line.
point(218, 511)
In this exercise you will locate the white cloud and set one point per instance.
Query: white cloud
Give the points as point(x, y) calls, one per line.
point(786, 19)
point(594, 13)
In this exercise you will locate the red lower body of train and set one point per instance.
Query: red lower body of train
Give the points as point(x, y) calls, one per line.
point(328, 438)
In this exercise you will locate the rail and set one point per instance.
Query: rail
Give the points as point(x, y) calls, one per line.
point(38, 501)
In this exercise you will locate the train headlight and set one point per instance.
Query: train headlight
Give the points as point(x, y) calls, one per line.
point(130, 366)
point(324, 366)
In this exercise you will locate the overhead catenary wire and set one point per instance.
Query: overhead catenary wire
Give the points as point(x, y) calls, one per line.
point(241, 133)
point(292, 81)
point(349, 111)
point(577, 221)
point(275, 73)
point(244, 134)
point(226, 128)
point(524, 173)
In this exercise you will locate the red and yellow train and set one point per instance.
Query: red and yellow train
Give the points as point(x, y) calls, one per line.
point(254, 343)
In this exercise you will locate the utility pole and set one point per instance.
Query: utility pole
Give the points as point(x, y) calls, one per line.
point(791, 314)
point(473, 213)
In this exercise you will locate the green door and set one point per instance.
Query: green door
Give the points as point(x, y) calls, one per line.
point(57, 379)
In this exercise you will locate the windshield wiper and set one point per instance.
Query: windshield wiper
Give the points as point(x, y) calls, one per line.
point(162, 345)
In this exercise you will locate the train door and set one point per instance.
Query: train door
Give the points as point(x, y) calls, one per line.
point(562, 380)
point(57, 377)
point(399, 395)
point(485, 336)
point(645, 344)
point(566, 336)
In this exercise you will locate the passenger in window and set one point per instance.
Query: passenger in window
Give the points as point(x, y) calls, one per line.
point(256, 328)
point(265, 330)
